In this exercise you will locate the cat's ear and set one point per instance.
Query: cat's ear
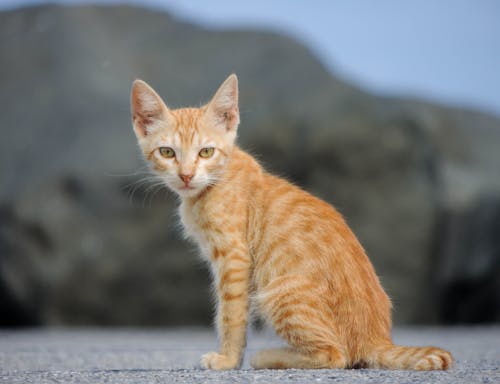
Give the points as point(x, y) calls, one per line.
point(148, 109)
point(223, 108)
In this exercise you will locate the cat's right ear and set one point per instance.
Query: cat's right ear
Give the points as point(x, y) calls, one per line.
point(148, 109)
point(222, 110)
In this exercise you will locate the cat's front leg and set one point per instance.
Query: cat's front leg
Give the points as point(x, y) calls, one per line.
point(232, 282)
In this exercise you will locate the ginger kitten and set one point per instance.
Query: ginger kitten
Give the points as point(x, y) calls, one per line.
point(269, 241)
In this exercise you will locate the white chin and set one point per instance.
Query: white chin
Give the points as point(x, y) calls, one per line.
point(188, 192)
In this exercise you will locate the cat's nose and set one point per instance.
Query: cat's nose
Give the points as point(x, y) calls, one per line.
point(186, 178)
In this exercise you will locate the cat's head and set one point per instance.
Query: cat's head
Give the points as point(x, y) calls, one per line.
point(187, 147)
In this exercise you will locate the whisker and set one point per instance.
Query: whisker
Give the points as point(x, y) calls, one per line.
point(146, 178)
point(151, 192)
point(140, 171)
point(134, 186)
point(160, 187)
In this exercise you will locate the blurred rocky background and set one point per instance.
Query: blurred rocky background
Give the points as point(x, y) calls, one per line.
point(86, 239)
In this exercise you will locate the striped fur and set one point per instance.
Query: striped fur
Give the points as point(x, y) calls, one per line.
point(271, 244)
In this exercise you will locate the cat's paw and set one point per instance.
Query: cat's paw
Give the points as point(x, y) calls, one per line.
point(214, 360)
point(437, 358)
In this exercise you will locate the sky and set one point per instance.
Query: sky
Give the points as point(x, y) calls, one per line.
point(446, 51)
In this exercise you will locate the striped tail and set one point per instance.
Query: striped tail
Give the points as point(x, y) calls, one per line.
point(418, 358)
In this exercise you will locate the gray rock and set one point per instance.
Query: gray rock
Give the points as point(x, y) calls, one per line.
point(80, 247)
point(467, 276)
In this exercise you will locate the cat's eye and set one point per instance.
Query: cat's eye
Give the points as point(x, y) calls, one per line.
point(207, 152)
point(166, 152)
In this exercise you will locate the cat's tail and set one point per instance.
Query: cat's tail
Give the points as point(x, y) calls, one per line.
point(419, 358)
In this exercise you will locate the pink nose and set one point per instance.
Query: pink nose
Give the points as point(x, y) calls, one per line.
point(186, 178)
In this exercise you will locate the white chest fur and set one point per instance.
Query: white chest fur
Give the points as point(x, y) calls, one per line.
point(192, 230)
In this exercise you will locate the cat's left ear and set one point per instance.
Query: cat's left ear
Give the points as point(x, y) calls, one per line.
point(148, 109)
point(223, 108)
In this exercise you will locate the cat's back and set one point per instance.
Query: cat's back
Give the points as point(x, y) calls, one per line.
point(287, 221)
point(289, 209)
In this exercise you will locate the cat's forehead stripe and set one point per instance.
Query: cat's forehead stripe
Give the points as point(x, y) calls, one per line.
point(186, 117)
point(187, 127)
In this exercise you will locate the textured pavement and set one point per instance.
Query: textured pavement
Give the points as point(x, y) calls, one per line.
point(172, 355)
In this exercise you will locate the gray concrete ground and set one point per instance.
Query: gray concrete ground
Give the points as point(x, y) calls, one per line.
point(171, 355)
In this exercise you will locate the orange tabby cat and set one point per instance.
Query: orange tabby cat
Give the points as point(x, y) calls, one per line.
point(271, 243)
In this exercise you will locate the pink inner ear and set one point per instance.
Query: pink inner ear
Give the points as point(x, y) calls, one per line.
point(144, 114)
point(224, 105)
point(230, 118)
point(141, 124)
point(147, 107)
point(226, 113)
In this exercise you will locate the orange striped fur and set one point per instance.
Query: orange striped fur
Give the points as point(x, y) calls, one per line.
point(270, 244)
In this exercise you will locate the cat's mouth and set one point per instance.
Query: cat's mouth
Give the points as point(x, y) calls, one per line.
point(187, 188)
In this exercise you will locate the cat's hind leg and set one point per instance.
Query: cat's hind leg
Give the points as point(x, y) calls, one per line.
point(284, 358)
point(298, 313)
